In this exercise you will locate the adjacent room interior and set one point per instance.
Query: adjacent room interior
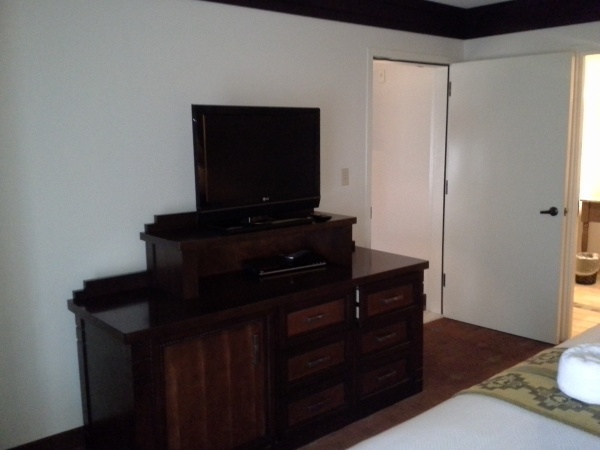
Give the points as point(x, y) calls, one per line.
point(586, 301)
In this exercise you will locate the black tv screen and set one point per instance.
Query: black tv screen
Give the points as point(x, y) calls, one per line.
point(255, 161)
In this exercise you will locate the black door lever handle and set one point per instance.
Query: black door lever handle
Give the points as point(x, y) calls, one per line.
point(552, 211)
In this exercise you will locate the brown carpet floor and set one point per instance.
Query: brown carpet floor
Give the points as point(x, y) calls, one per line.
point(456, 355)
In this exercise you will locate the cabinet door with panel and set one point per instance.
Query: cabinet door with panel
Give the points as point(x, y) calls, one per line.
point(216, 389)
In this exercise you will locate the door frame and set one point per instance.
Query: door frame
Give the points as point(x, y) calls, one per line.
point(438, 213)
point(573, 166)
point(570, 246)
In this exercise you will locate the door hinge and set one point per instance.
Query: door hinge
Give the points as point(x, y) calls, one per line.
point(357, 303)
point(443, 280)
point(445, 187)
point(449, 88)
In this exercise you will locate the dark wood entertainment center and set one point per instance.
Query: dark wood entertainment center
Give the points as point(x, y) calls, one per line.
point(194, 353)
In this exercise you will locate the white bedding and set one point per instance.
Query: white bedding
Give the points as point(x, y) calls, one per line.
point(480, 422)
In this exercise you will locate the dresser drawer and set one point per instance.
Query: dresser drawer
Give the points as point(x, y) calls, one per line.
point(387, 300)
point(316, 404)
point(316, 317)
point(383, 377)
point(384, 337)
point(316, 360)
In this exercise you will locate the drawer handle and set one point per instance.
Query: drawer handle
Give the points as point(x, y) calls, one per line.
point(386, 337)
point(387, 301)
point(318, 361)
point(387, 376)
point(316, 318)
point(319, 405)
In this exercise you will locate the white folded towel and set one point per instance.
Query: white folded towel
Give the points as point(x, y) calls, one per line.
point(579, 373)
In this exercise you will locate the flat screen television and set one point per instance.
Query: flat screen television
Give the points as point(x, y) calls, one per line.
point(255, 164)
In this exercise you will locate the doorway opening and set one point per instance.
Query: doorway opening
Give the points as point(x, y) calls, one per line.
point(407, 160)
point(400, 204)
point(586, 298)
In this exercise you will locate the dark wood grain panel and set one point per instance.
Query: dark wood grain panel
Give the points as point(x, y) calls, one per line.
point(216, 382)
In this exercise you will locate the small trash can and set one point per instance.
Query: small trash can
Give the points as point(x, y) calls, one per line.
point(586, 267)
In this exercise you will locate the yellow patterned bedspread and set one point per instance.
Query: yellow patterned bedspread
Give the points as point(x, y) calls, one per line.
point(532, 385)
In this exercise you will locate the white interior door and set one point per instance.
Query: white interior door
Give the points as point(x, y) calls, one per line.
point(508, 147)
point(407, 164)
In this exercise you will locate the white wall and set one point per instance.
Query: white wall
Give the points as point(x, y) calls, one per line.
point(95, 138)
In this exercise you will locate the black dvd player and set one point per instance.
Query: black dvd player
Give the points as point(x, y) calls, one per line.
point(293, 262)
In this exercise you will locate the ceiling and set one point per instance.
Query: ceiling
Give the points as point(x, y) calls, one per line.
point(467, 3)
point(460, 19)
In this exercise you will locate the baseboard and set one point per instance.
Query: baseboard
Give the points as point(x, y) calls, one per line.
point(429, 316)
point(67, 440)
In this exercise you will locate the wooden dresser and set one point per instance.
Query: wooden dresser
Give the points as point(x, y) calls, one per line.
point(224, 360)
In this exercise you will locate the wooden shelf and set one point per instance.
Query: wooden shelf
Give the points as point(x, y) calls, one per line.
point(178, 257)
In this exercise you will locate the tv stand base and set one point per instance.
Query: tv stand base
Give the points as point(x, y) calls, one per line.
point(261, 223)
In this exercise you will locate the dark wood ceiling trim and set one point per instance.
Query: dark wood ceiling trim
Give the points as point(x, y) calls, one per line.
point(426, 17)
point(408, 15)
point(525, 15)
